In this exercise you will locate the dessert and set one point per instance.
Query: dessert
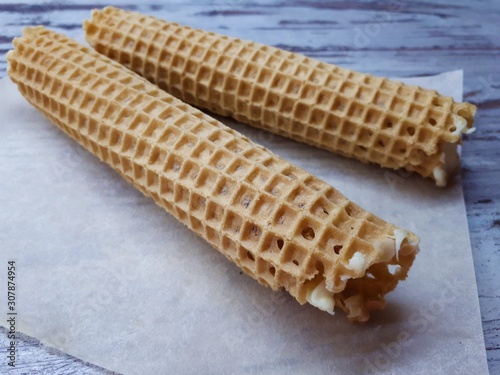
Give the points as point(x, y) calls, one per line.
point(372, 119)
point(283, 226)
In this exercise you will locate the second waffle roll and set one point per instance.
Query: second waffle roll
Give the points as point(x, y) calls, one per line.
point(372, 119)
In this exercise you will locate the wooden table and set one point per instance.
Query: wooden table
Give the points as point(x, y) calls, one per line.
point(393, 39)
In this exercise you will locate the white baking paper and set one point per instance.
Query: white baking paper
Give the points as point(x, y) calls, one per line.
point(109, 277)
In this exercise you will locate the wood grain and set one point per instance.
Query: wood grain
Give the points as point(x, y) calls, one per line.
point(393, 39)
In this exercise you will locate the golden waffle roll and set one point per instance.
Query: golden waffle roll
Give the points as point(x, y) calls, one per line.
point(281, 225)
point(373, 119)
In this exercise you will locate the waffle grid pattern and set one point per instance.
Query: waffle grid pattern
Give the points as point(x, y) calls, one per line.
point(357, 115)
point(281, 225)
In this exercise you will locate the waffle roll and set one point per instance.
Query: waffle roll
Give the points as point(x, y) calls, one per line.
point(281, 225)
point(372, 119)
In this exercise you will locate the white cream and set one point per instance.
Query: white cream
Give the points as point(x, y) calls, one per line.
point(399, 237)
point(461, 125)
point(321, 298)
point(393, 269)
point(449, 156)
point(439, 175)
point(358, 262)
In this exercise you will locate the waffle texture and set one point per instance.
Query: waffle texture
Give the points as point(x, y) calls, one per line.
point(281, 225)
point(373, 119)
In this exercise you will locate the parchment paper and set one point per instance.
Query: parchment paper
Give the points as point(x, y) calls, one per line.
point(107, 276)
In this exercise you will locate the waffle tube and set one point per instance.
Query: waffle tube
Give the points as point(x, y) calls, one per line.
point(281, 225)
point(372, 119)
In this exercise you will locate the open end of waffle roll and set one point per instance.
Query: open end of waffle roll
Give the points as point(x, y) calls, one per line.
point(362, 280)
point(281, 225)
point(448, 160)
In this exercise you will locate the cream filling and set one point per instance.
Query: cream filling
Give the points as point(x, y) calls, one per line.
point(439, 175)
point(461, 125)
point(449, 156)
point(321, 298)
point(399, 237)
point(358, 262)
point(391, 246)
